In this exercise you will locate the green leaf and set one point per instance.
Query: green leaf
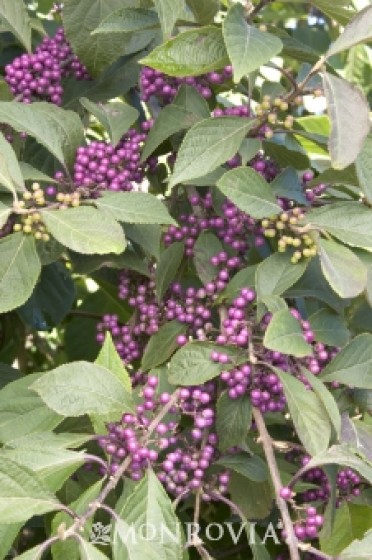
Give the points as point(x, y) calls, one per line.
point(51, 300)
point(19, 270)
point(128, 20)
point(233, 420)
point(169, 11)
point(85, 230)
point(329, 328)
point(83, 388)
point(8, 534)
point(359, 549)
point(162, 344)
point(22, 493)
point(248, 48)
point(348, 221)
point(14, 17)
point(51, 440)
point(249, 192)
point(207, 245)
point(135, 208)
point(351, 522)
point(345, 273)
point(110, 359)
point(146, 236)
point(358, 435)
point(190, 53)
point(192, 364)
point(208, 144)
point(83, 17)
point(358, 30)
point(335, 10)
point(287, 185)
point(22, 412)
point(115, 117)
point(10, 172)
point(307, 413)
point(167, 267)
point(276, 274)
point(242, 279)
point(363, 166)
point(90, 552)
point(204, 10)
point(253, 467)
point(58, 130)
point(352, 366)
point(53, 466)
point(349, 113)
point(256, 501)
point(342, 455)
point(284, 334)
point(31, 554)
point(29, 173)
point(188, 108)
point(332, 176)
point(150, 507)
point(327, 399)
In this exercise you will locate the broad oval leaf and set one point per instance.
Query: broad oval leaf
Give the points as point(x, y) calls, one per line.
point(58, 130)
point(249, 192)
point(190, 53)
point(284, 334)
point(15, 18)
point(345, 273)
point(169, 11)
point(135, 208)
point(363, 166)
point(20, 268)
point(110, 359)
point(358, 30)
point(348, 221)
point(192, 364)
point(207, 245)
point(82, 388)
point(248, 47)
point(326, 398)
point(329, 327)
point(22, 493)
point(349, 113)
point(85, 230)
point(277, 273)
point(307, 413)
point(207, 145)
point(353, 365)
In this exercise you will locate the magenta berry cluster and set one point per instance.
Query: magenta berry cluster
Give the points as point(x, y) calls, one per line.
point(38, 76)
point(165, 88)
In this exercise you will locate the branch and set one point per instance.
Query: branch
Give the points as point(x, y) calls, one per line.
point(291, 539)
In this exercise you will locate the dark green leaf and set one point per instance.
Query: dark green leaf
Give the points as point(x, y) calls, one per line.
point(207, 245)
point(167, 267)
point(358, 30)
point(326, 398)
point(14, 17)
point(287, 185)
point(10, 173)
point(128, 20)
point(162, 344)
point(277, 273)
point(169, 11)
point(359, 549)
point(115, 117)
point(253, 468)
point(256, 501)
point(363, 165)
point(329, 328)
point(204, 10)
point(233, 420)
point(110, 359)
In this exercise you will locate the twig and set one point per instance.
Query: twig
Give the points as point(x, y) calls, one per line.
point(291, 538)
point(316, 552)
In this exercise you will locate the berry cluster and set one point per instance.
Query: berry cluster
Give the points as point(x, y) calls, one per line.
point(38, 76)
point(285, 230)
point(165, 88)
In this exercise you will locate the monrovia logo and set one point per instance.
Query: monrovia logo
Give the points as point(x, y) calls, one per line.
point(187, 533)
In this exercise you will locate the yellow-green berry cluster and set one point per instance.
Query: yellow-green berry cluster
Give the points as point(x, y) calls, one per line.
point(284, 229)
